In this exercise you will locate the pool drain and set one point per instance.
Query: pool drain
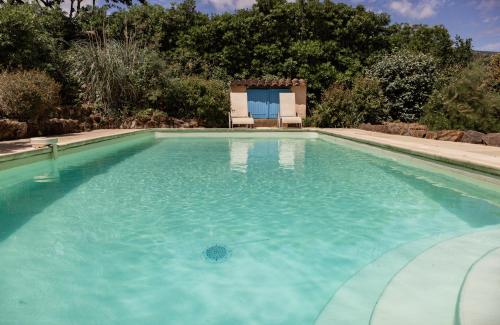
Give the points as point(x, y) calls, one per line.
point(216, 253)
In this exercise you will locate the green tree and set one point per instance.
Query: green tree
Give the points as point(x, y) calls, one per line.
point(31, 37)
point(433, 40)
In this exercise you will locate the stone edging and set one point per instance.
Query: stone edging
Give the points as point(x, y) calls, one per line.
point(433, 157)
point(20, 158)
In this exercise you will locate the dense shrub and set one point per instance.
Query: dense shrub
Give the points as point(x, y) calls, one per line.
point(344, 107)
point(369, 99)
point(466, 102)
point(407, 80)
point(116, 77)
point(28, 95)
point(337, 109)
point(193, 97)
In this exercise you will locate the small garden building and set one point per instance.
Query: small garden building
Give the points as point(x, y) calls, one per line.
point(263, 95)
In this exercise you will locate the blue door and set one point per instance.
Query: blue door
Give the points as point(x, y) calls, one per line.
point(264, 103)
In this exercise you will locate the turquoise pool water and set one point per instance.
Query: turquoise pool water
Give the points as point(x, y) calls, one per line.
point(119, 234)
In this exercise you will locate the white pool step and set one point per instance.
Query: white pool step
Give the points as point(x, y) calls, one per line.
point(480, 296)
point(353, 302)
point(426, 290)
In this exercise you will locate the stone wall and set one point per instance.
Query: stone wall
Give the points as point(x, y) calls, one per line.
point(421, 131)
point(11, 129)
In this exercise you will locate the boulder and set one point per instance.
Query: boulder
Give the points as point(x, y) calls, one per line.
point(11, 129)
point(471, 136)
point(492, 139)
point(450, 135)
point(366, 126)
point(416, 130)
point(60, 126)
point(396, 128)
point(410, 129)
point(431, 135)
point(373, 127)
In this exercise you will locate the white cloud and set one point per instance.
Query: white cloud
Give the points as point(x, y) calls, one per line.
point(493, 19)
point(222, 5)
point(491, 47)
point(420, 9)
point(487, 5)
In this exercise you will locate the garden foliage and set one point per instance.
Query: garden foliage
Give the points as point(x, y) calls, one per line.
point(28, 95)
point(469, 101)
point(407, 79)
point(179, 61)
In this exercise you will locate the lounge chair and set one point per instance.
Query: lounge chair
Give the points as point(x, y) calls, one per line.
point(288, 114)
point(239, 111)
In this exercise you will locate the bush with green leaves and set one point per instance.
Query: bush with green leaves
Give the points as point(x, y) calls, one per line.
point(337, 109)
point(369, 99)
point(407, 80)
point(467, 102)
point(201, 99)
point(347, 107)
point(28, 95)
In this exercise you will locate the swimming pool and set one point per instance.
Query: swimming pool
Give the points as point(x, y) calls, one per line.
point(217, 229)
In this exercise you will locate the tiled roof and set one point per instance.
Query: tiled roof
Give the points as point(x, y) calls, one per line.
point(258, 83)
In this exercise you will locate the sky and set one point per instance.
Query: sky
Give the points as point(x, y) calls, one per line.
point(476, 19)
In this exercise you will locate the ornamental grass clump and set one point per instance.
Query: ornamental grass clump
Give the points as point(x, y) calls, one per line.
point(114, 76)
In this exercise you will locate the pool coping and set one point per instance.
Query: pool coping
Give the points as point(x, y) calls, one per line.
point(20, 158)
point(32, 155)
point(454, 162)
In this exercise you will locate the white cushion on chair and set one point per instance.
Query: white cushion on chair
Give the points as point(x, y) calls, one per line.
point(242, 120)
point(291, 120)
point(239, 105)
point(287, 104)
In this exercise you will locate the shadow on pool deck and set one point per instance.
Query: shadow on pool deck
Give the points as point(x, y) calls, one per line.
point(30, 197)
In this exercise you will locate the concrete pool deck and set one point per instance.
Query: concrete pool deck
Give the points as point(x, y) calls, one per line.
point(18, 152)
point(23, 145)
point(478, 157)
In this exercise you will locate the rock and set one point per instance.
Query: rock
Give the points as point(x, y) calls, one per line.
point(366, 126)
point(471, 136)
point(395, 128)
point(416, 130)
point(492, 139)
point(11, 129)
point(431, 135)
point(379, 128)
point(85, 126)
point(192, 123)
point(450, 135)
point(59, 126)
point(410, 129)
